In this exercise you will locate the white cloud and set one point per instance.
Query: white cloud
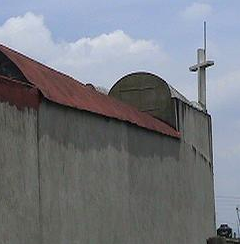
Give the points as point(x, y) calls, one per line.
point(100, 60)
point(27, 34)
point(197, 11)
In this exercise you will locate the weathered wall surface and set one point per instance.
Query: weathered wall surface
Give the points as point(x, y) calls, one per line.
point(105, 181)
point(101, 180)
point(19, 199)
point(196, 135)
point(195, 128)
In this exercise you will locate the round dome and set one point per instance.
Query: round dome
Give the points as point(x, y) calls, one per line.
point(149, 93)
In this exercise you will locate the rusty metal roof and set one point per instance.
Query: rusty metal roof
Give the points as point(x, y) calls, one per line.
point(63, 89)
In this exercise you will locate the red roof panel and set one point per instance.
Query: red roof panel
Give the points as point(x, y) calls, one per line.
point(62, 89)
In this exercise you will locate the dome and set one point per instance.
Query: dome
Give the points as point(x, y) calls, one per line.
point(149, 93)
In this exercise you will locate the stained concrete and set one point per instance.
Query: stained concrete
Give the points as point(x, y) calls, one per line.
point(69, 176)
point(19, 198)
point(117, 183)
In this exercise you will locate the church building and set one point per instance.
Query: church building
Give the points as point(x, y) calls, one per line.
point(134, 166)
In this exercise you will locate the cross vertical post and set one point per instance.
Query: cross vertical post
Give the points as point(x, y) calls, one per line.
point(201, 79)
point(200, 68)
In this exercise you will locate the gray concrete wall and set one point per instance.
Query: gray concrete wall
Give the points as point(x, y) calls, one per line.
point(19, 198)
point(196, 134)
point(196, 129)
point(69, 176)
point(222, 240)
point(105, 181)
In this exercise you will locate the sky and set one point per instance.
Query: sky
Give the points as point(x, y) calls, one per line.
point(101, 41)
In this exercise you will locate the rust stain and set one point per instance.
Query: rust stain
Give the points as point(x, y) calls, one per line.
point(63, 89)
point(18, 94)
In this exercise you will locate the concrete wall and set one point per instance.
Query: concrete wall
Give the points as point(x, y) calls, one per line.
point(69, 176)
point(196, 135)
point(222, 240)
point(19, 198)
point(105, 181)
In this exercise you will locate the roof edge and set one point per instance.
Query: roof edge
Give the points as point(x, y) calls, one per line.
point(62, 89)
point(19, 94)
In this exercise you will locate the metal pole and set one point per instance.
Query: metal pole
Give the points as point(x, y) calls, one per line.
point(237, 209)
point(237, 228)
point(205, 40)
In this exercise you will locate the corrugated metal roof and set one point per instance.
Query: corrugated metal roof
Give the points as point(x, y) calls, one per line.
point(19, 94)
point(62, 89)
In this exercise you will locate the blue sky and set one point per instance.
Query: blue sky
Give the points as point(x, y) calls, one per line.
point(100, 41)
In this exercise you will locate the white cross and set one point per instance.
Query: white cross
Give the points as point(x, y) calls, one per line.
point(200, 67)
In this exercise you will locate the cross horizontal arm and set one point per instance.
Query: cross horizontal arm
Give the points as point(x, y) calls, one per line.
point(204, 64)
